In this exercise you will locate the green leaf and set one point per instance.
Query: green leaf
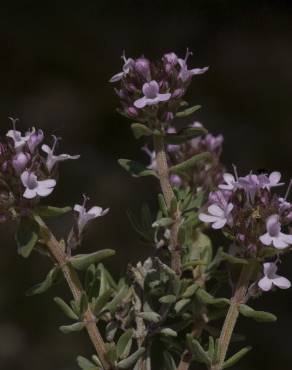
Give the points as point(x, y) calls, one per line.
point(168, 299)
point(112, 306)
point(26, 236)
point(188, 111)
point(235, 358)
point(85, 364)
point(83, 261)
point(65, 308)
point(163, 222)
point(211, 347)
point(66, 329)
point(111, 352)
point(168, 332)
point(162, 205)
point(150, 316)
point(207, 298)
point(190, 291)
point(197, 350)
point(110, 330)
point(123, 342)
point(140, 130)
point(185, 134)
point(233, 260)
point(101, 301)
point(46, 284)
point(48, 211)
point(136, 169)
point(131, 360)
point(189, 163)
point(83, 304)
point(260, 316)
point(181, 304)
point(169, 362)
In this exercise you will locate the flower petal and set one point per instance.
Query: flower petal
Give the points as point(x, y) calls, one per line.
point(50, 183)
point(117, 77)
point(219, 223)
point(140, 103)
point(198, 71)
point(215, 210)
point(44, 192)
point(30, 193)
point(164, 97)
point(279, 243)
point(266, 239)
point(281, 282)
point(265, 284)
point(204, 217)
point(275, 177)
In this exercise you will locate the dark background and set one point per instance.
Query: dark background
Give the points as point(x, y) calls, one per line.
point(55, 62)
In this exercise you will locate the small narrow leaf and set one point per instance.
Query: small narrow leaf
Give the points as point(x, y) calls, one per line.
point(163, 222)
point(185, 134)
point(168, 332)
point(211, 347)
point(83, 304)
point(66, 329)
point(188, 111)
point(207, 298)
point(46, 284)
point(260, 316)
point(101, 301)
point(140, 130)
point(85, 364)
point(162, 204)
point(235, 358)
point(232, 259)
point(65, 308)
point(189, 163)
point(150, 316)
point(169, 362)
point(136, 169)
point(181, 304)
point(26, 236)
point(190, 291)
point(131, 360)
point(112, 306)
point(168, 299)
point(123, 342)
point(197, 350)
point(83, 261)
point(48, 211)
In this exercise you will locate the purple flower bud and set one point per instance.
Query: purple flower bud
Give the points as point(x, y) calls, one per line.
point(168, 116)
point(178, 93)
point(142, 66)
point(20, 161)
point(175, 180)
point(34, 140)
point(4, 166)
point(170, 58)
point(132, 112)
point(213, 142)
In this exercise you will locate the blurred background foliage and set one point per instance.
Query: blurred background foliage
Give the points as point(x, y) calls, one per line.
point(56, 59)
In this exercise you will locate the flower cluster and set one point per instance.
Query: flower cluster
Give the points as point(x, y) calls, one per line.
point(153, 91)
point(202, 176)
point(27, 172)
point(254, 217)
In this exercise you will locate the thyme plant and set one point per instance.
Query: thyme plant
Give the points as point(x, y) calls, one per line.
point(171, 300)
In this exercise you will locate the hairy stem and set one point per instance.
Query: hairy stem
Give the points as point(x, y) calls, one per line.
point(232, 315)
point(163, 173)
point(70, 275)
